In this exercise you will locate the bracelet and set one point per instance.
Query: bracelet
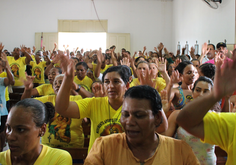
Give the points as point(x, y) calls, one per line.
point(78, 89)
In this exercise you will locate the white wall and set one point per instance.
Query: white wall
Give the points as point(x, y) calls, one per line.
point(195, 20)
point(148, 22)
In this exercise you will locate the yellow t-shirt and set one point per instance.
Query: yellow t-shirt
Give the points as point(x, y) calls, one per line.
point(33, 57)
point(220, 129)
point(18, 68)
point(38, 71)
point(160, 83)
point(114, 150)
point(102, 70)
point(45, 89)
point(104, 119)
point(48, 155)
point(86, 83)
point(4, 74)
point(63, 131)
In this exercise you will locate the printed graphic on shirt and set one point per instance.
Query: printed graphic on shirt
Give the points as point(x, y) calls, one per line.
point(59, 129)
point(109, 126)
point(15, 70)
point(37, 73)
point(85, 87)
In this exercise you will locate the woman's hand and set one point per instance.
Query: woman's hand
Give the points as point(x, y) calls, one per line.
point(164, 100)
point(225, 77)
point(28, 82)
point(125, 61)
point(98, 90)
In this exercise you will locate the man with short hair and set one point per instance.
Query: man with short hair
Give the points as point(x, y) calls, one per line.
point(210, 55)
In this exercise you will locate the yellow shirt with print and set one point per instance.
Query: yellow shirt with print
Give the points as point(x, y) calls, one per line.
point(4, 74)
point(38, 71)
point(18, 68)
point(48, 155)
point(220, 129)
point(63, 131)
point(86, 83)
point(160, 83)
point(104, 119)
point(45, 89)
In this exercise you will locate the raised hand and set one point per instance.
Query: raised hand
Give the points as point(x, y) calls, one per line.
point(177, 61)
point(146, 78)
point(166, 51)
point(82, 51)
point(225, 78)
point(155, 48)
point(144, 48)
point(97, 90)
point(55, 45)
point(100, 56)
point(205, 50)
point(178, 52)
point(44, 48)
point(192, 50)
point(125, 61)
point(183, 50)
point(160, 46)
point(34, 48)
point(1, 47)
point(175, 77)
point(66, 64)
point(28, 82)
point(164, 100)
point(22, 48)
point(218, 58)
point(161, 64)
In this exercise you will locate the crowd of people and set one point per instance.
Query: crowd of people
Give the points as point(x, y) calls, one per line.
point(149, 107)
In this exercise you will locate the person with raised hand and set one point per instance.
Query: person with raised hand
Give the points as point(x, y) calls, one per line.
point(18, 64)
point(210, 127)
point(104, 112)
point(141, 116)
point(203, 151)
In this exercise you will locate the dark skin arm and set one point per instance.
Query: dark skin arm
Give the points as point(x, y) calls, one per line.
point(191, 117)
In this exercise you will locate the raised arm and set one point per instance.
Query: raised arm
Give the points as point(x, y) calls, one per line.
point(27, 55)
point(28, 83)
point(191, 117)
point(113, 58)
point(10, 79)
point(100, 58)
point(204, 52)
point(160, 47)
point(55, 47)
point(63, 106)
point(161, 63)
point(132, 64)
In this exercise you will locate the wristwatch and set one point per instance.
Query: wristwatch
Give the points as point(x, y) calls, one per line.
point(78, 89)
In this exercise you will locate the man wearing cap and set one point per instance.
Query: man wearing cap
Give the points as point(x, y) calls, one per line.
point(222, 49)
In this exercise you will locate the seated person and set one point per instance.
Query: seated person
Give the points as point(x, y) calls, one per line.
point(62, 131)
point(26, 123)
point(140, 144)
point(211, 127)
point(46, 89)
point(80, 76)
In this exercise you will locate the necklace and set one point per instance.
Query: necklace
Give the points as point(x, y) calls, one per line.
point(112, 121)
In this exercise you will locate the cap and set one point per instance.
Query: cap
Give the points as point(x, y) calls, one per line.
point(220, 44)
